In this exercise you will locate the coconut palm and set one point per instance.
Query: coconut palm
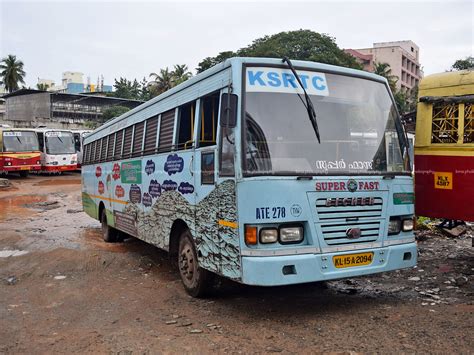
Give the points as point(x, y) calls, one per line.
point(180, 73)
point(162, 81)
point(383, 69)
point(12, 73)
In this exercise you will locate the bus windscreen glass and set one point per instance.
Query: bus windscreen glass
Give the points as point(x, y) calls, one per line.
point(357, 122)
point(59, 143)
point(20, 141)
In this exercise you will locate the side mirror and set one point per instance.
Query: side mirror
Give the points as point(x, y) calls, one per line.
point(229, 110)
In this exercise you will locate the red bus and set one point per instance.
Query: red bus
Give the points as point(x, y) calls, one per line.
point(19, 151)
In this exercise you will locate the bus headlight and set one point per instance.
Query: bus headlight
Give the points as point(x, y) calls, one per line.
point(268, 235)
point(394, 226)
point(292, 234)
point(407, 225)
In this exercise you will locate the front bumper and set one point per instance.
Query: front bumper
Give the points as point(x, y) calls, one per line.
point(269, 270)
point(58, 168)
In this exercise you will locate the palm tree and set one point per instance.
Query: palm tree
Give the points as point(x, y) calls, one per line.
point(12, 73)
point(180, 74)
point(383, 69)
point(42, 86)
point(162, 81)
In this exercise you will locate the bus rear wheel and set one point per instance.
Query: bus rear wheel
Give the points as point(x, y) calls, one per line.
point(109, 234)
point(196, 280)
point(24, 174)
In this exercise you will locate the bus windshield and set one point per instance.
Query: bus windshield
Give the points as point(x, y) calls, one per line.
point(358, 124)
point(20, 141)
point(59, 143)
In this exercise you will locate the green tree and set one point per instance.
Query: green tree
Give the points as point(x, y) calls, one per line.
point(161, 82)
point(42, 86)
point(463, 64)
point(127, 89)
point(383, 69)
point(180, 74)
point(113, 111)
point(12, 73)
point(299, 45)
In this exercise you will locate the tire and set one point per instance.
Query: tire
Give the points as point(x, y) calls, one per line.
point(109, 234)
point(196, 281)
point(24, 174)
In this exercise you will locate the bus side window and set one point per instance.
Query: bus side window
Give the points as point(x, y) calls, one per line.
point(138, 139)
point(207, 168)
point(77, 141)
point(165, 139)
point(186, 120)
point(150, 135)
point(228, 119)
point(110, 146)
point(41, 141)
point(209, 113)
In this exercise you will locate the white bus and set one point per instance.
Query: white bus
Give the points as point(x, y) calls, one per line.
point(58, 153)
point(79, 135)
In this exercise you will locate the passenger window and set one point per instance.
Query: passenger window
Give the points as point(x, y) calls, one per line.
point(96, 151)
point(127, 142)
point(227, 152)
point(77, 141)
point(445, 123)
point(186, 126)
point(118, 145)
point(150, 136)
point(110, 146)
point(41, 141)
point(165, 141)
point(209, 114)
point(138, 139)
point(207, 168)
point(104, 148)
point(468, 123)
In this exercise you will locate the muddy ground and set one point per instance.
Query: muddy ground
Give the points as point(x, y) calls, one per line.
point(64, 290)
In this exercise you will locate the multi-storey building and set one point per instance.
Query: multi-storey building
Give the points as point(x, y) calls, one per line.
point(402, 56)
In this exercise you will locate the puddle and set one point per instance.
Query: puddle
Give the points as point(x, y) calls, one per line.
point(14, 206)
point(8, 253)
point(54, 182)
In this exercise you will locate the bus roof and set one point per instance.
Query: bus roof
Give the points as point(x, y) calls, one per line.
point(4, 129)
point(448, 83)
point(236, 62)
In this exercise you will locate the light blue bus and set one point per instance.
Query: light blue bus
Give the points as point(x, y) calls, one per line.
point(264, 171)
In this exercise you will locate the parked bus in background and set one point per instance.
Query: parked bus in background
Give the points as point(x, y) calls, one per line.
point(79, 144)
point(444, 147)
point(58, 153)
point(260, 172)
point(19, 151)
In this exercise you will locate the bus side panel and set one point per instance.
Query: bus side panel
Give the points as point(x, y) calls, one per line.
point(89, 203)
point(217, 233)
point(443, 187)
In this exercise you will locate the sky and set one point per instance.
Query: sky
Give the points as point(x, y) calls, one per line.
point(134, 38)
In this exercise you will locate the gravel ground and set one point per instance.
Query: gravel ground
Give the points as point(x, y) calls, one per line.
point(64, 290)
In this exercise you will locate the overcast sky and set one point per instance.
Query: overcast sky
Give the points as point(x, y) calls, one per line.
point(132, 39)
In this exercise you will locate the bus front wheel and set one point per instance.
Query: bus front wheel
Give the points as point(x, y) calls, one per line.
point(109, 234)
point(196, 280)
point(24, 174)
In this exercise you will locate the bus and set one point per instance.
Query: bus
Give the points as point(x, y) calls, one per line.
point(79, 144)
point(444, 147)
point(264, 171)
point(19, 151)
point(58, 153)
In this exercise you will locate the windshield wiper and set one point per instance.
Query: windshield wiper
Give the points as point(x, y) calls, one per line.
point(308, 105)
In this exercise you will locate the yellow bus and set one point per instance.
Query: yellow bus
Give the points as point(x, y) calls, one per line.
point(444, 146)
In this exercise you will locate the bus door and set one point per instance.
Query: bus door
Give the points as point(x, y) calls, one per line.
point(205, 181)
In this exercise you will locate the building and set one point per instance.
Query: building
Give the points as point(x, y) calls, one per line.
point(73, 83)
point(402, 56)
point(33, 108)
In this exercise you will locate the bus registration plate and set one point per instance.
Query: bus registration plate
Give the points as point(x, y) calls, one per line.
point(361, 259)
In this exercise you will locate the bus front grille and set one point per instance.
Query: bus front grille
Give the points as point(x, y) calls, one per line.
point(336, 221)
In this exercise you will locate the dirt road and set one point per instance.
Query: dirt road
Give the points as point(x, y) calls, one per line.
point(64, 290)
